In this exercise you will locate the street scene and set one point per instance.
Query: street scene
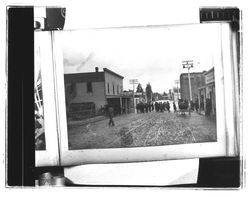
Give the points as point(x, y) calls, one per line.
point(139, 87)
point(144, 129)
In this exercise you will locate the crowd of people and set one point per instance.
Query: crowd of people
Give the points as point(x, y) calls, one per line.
point(183, 104)
point(156, 106)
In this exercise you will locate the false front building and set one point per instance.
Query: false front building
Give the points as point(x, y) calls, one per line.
point(88, 93)
point(202, 89)
point(206, 93)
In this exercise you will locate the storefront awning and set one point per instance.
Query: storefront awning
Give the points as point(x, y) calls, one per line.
point(117, 96)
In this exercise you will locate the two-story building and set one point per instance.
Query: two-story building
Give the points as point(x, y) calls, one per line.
point(90, 92)
point(197, 79)
point(207, 91)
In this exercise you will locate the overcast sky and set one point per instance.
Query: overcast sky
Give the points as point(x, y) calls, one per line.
point(150, 54)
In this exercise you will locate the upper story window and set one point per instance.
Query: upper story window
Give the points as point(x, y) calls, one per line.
point(89, 87)
point(113, 89)
point(117, 89)
point(108, 87)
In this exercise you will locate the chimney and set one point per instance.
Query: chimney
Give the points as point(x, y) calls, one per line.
point(96, 69)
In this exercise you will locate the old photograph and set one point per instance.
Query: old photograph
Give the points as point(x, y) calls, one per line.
point(39, 110)
point(140, 86)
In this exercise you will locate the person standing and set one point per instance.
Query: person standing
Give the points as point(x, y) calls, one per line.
point(174, 106)
point(161, 106)
point(196, 104)
point(111, 115)
point(208, 107)
point(168, 106)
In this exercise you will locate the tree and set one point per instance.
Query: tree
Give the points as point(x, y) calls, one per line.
point(149, 92)
point(176, 90)
point(139, 88)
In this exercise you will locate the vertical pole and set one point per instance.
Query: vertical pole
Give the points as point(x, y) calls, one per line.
point(189, 64)
point(121, 106)
point(134, 95)
point(199, 99)
point(189, 82)
point(126, 105)
point(190, 92)
point(204, 100)
point(177, 91)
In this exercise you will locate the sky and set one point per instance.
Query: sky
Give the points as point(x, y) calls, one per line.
point(152, 54)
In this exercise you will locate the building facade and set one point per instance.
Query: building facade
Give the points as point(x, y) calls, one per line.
point(207, 94)
point(91, 92)
point(197, 80)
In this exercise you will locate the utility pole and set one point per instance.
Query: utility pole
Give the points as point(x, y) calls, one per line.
point(189, 64)
point(133, 81)
point(177, 82)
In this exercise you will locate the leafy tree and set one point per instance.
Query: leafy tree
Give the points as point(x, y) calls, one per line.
point(139, 88)
point(149, 92)
point(175, 89)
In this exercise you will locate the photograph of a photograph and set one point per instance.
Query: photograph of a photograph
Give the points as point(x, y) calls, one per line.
point(140, 86)
point(103, 98)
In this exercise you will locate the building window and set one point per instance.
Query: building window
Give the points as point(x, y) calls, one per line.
point(89, 87)
point(117, 89)
point(113, 89)
point(72, 88)
point(108, 87)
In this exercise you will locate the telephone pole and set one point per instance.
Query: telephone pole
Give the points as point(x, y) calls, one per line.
point(133, 81)
point(189, 64)
point(177, 82)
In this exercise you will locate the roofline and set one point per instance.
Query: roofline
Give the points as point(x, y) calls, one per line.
point(111, 72)
point(194, 73)
point(210, 70)
point(82, 73)
point(104, 70)
point(84, 77)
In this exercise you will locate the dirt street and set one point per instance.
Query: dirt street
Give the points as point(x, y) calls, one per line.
point(147, 129)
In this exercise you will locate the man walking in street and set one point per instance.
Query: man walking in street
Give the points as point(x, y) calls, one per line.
point(111, 115)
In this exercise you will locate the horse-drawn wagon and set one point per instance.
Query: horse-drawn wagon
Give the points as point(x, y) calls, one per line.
point(183, 107)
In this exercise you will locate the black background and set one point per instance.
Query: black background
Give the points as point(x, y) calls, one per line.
point(20, 148)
